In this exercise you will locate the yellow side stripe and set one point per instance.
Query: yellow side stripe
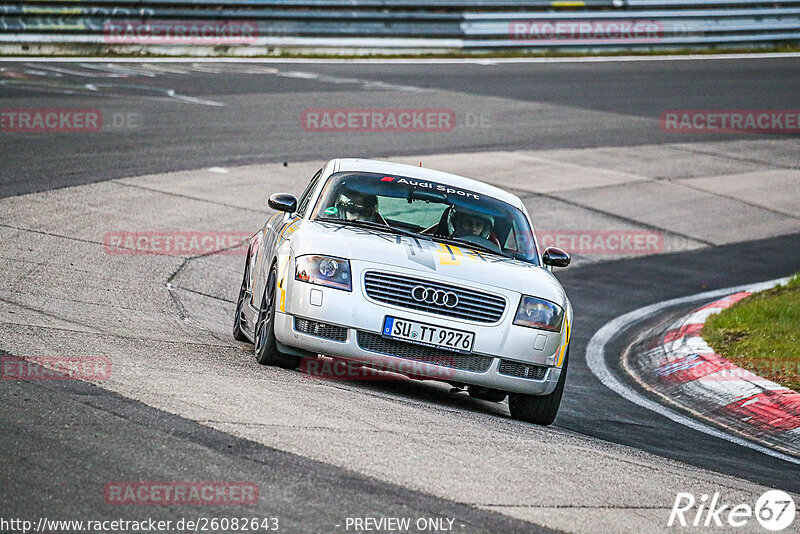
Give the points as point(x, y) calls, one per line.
point(568, 4)
point(563, 350)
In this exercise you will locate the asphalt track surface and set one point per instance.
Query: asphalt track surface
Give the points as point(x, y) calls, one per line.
point(66, 437)
point(67, 440)
point(600, 414)
point(261, 119)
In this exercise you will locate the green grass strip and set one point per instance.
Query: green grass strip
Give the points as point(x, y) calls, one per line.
point(762, 333)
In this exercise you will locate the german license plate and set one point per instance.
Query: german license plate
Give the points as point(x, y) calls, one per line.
point(427, 334)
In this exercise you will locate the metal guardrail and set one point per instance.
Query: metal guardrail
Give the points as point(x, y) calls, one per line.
point(403, 24)
point(459, 5)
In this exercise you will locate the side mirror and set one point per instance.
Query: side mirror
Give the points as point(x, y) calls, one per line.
point(555, 257)
point(283, 202)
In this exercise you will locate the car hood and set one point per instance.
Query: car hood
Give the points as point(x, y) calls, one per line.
point(429, 258)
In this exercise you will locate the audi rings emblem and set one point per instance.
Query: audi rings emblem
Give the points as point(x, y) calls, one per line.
point(438, 297)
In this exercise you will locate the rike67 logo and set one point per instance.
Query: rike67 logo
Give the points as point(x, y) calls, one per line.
point(774, 510)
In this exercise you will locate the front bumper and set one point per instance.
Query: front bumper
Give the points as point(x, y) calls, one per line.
point(503, 353)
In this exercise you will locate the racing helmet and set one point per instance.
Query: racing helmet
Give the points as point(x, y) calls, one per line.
point(464, 221)
point(357, 205)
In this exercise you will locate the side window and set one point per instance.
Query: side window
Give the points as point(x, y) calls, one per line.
point(518, 240)
point(302, 204)
point(511, 242)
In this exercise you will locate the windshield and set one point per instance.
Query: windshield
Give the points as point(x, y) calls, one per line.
point(428, 209)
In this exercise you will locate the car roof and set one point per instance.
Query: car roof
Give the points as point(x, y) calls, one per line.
point(422, 173)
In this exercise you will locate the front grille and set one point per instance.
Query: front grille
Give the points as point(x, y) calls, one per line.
point(472, 305)
point(327, 331)
point(421, 353)
point(522, 370)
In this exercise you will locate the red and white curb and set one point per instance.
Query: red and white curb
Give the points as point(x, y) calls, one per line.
point(690, 415)
point(675, 362)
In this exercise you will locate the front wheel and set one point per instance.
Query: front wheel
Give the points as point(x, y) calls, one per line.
point(266, 346)
point(539, 409)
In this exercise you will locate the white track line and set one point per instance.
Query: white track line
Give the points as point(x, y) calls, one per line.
point(595, 358)
point(402, 61)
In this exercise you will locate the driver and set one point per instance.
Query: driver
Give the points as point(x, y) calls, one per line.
point(462, 223)
point(355, 206)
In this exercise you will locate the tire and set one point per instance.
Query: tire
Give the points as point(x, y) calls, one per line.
point(487, 394)
point(238, 334)
point(265, 344)
point(539, 409)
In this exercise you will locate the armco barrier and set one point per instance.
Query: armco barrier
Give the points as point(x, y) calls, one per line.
point(265, 25)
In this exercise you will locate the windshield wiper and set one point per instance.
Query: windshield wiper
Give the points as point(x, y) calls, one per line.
point(409, 233)
point(376, 226)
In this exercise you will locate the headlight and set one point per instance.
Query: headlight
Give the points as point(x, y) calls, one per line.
point(323, 271)
point(539, 313)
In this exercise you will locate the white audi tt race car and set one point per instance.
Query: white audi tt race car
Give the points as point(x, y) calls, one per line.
point(413, 271)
